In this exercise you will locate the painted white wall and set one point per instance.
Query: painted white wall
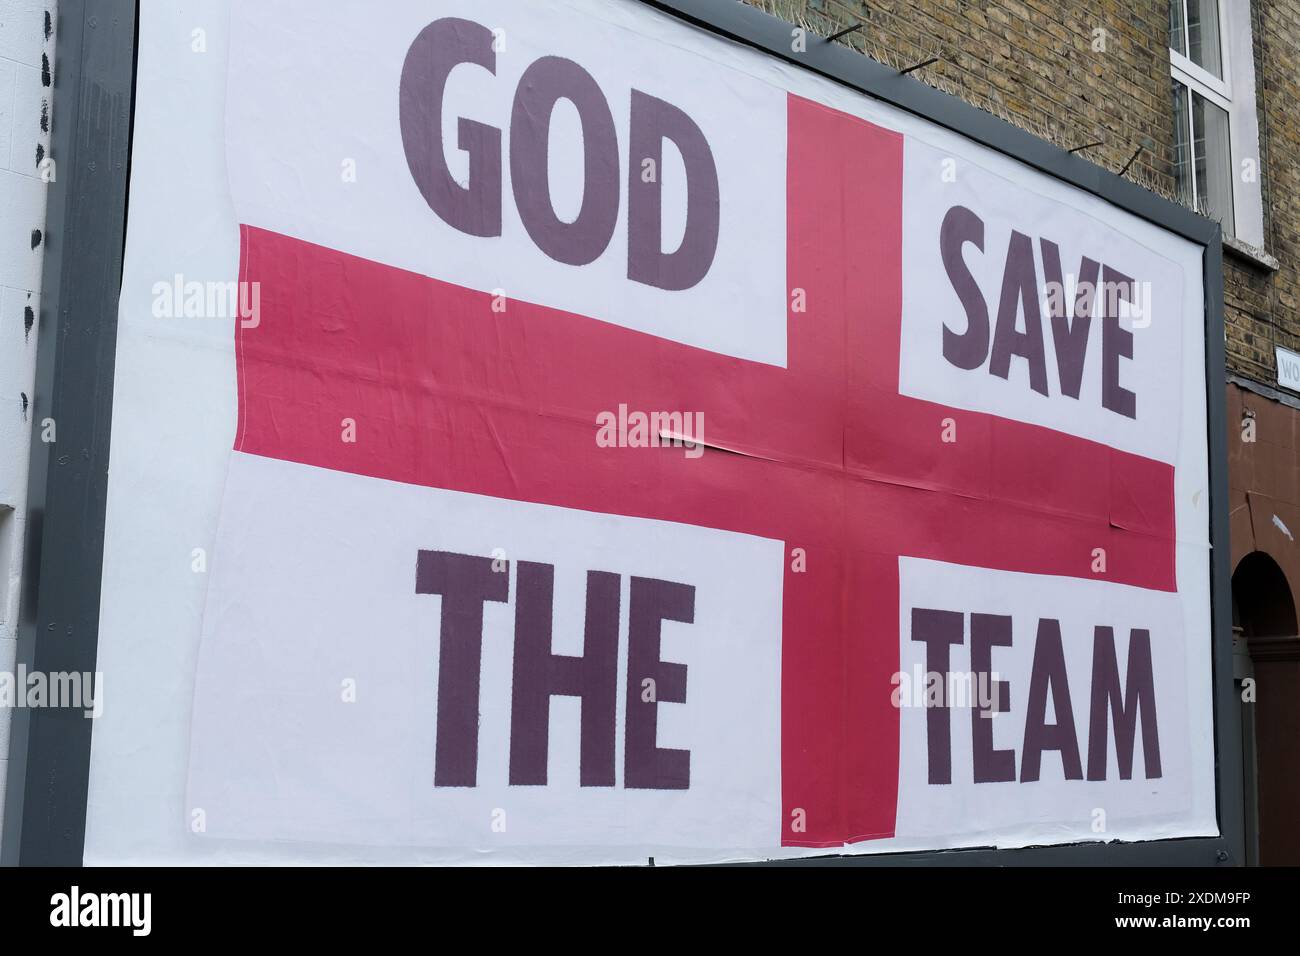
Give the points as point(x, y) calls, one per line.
point(26, 64)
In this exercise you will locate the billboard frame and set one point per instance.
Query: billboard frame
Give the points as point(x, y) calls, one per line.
point(49, 765)
point(58, 619)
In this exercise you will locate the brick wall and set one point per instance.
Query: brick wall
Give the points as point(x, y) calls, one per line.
point(26, 75)
point(1041, 64)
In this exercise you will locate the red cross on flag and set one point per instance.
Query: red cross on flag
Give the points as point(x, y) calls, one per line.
point(646, 445)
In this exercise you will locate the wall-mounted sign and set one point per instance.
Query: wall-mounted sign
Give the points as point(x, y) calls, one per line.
point(1288, 369)
point(625, 443)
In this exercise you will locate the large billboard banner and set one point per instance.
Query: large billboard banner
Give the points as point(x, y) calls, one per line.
point(599, 440)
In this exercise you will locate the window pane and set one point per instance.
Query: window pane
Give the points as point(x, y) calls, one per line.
point(1213, 161)
point(1177, 40)
point(1203, 35)
point(1183, 147)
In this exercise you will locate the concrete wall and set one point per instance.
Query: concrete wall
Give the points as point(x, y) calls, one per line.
point(26, 76)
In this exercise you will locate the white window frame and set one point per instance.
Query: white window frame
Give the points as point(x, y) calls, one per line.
point(1235, 95)
point(1199, 78)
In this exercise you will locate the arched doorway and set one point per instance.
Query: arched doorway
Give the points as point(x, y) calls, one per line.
point(1266, 655)
point(1262, 597)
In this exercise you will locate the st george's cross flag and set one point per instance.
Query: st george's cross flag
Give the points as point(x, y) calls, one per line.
point(644, 443)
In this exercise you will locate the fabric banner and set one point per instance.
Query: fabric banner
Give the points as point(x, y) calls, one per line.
point(644, 446)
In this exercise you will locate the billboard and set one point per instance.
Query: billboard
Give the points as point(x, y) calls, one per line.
point(586, 438)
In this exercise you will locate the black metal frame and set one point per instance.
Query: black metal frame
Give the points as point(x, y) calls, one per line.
point(58, 625)
point(50, 750)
